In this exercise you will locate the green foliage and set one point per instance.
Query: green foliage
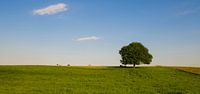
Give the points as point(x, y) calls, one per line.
point(96, 80)
point(135, 53)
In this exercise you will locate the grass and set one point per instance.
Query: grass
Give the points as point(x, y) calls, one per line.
point(96, 80)
point(195, 70)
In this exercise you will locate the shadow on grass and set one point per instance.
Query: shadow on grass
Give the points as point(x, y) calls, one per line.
point(125, 67)
point(189, 72)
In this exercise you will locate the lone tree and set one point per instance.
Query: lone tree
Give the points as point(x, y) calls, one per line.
point(135, 53)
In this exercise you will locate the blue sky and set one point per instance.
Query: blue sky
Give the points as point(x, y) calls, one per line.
point(82, 32)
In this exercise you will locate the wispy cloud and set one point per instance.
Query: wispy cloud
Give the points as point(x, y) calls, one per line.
point(51, 9)
point(187, 12)
point(88, 38)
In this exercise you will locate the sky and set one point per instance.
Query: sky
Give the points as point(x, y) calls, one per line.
point(83, 32)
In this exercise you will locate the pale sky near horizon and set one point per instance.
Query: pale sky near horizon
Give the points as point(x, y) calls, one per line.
point(82, 32)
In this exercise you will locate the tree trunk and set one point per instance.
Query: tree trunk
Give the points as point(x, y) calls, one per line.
point(134, 65)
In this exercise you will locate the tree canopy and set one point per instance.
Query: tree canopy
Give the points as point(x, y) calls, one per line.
point(135, 53)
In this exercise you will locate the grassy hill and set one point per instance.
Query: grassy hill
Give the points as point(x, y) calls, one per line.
point(97, 80)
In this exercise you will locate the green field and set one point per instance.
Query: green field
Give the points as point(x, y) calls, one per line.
point(96, 80)
point(195, 70)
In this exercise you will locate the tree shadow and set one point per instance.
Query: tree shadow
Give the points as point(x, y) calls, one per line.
point(124, 67)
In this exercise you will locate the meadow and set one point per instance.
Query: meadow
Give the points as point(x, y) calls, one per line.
point(97, 80)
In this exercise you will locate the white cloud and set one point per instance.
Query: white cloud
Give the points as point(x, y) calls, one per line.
point(88, 38)
point(51, 9)
point(187, 12)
